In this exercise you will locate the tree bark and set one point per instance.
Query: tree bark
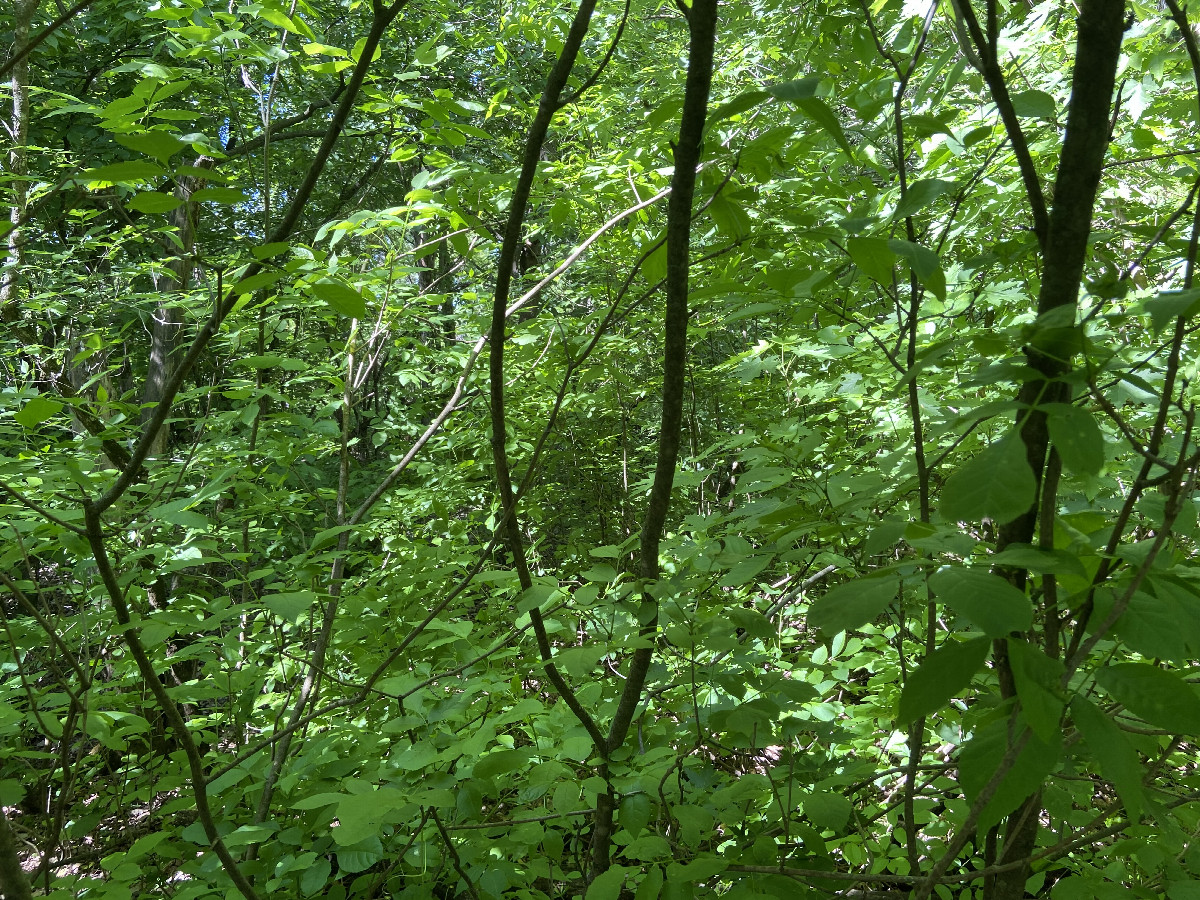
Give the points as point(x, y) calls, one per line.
point(18, 132)
point(1097, 50)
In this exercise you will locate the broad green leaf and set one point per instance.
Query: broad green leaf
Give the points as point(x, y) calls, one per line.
point(138, 170)
point(874, 257)
point(1037, 679)
point(634, 813)
point(925, 265)
point(36, 411)
point(1077, 438)
point(1039, 561)
point(159, 145)
point(153, 202)
point(1169, 305)
point(500, 762)
point(1156, 695)
point(827, 809)
point(257, 281)
point(793, 91)
point(290, 606)
point(997, 484)
point(1034, 105)
point(852, 605)
point(315, 876)
point(920, 194)
point(651, 884)
point(219, 195)
point(1118, 761)
point(989, 602)
point(980, 759)
point(648, 847)
point(818, 110)
point(342, 298)
point(942, 676)
point(360, 856)
point(607, 885)
point(739, 104)
point(699, 869)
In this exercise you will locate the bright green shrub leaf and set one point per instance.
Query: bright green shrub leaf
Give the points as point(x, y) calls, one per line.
point(873, 256)
point(219, 195)
point(153, 202)
point(853, 604)
point(996, 484)
point(980, 758)
point(290, 606)
point(607, 885)
point(1117, 759)
point(648, 847)
point(1169, 305)
point(989, 602)
point(739, 104)
point(1037, 677)
point(361, 856)
point(925, 265)
point(634, 813)
point(699, 869)
point(160, 145)
point(341, 298)
point(1184, 890)
point(1077, 438)
point(827, 809)
point(799, 89)
point(315, 877)
point(818, 110)
point(651, 885)
point(500, 762)
point(1038, 561)
point(36, 411)
point(1034, 105)
point(920, 194)
point(1159, 697)
point(137, 170)
point(943, 674)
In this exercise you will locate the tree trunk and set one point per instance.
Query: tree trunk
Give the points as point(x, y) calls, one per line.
point(18, 130)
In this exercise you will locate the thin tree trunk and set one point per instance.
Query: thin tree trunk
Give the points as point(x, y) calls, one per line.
point(18, 131)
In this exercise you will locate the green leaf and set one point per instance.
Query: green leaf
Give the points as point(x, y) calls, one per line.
point(36, 411)
point(996, 484)
point(853, 604)
point(925, 265)
point(1169, 305)
point(360, 856)
point(1117, 759)
point(739, 104)
point(1159, 697)
point(315, 877)
point(1077, 438)
point(794, 91)
point(153, 202)
point(699, 869)
point(827, 809)
point(607, 885)
point(989, 602)
point(920, 194)
point(159, 145)
point(342, 298)
point(1033, 105)
point(219, 195)
point(651, 885)
point(137, 170)
point(290, 606)
point(980, 759)
point(874, 257)
point(634, 813)
point(1037, 680)
point(817, 110)
point(500, 762)
point(942, 676)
